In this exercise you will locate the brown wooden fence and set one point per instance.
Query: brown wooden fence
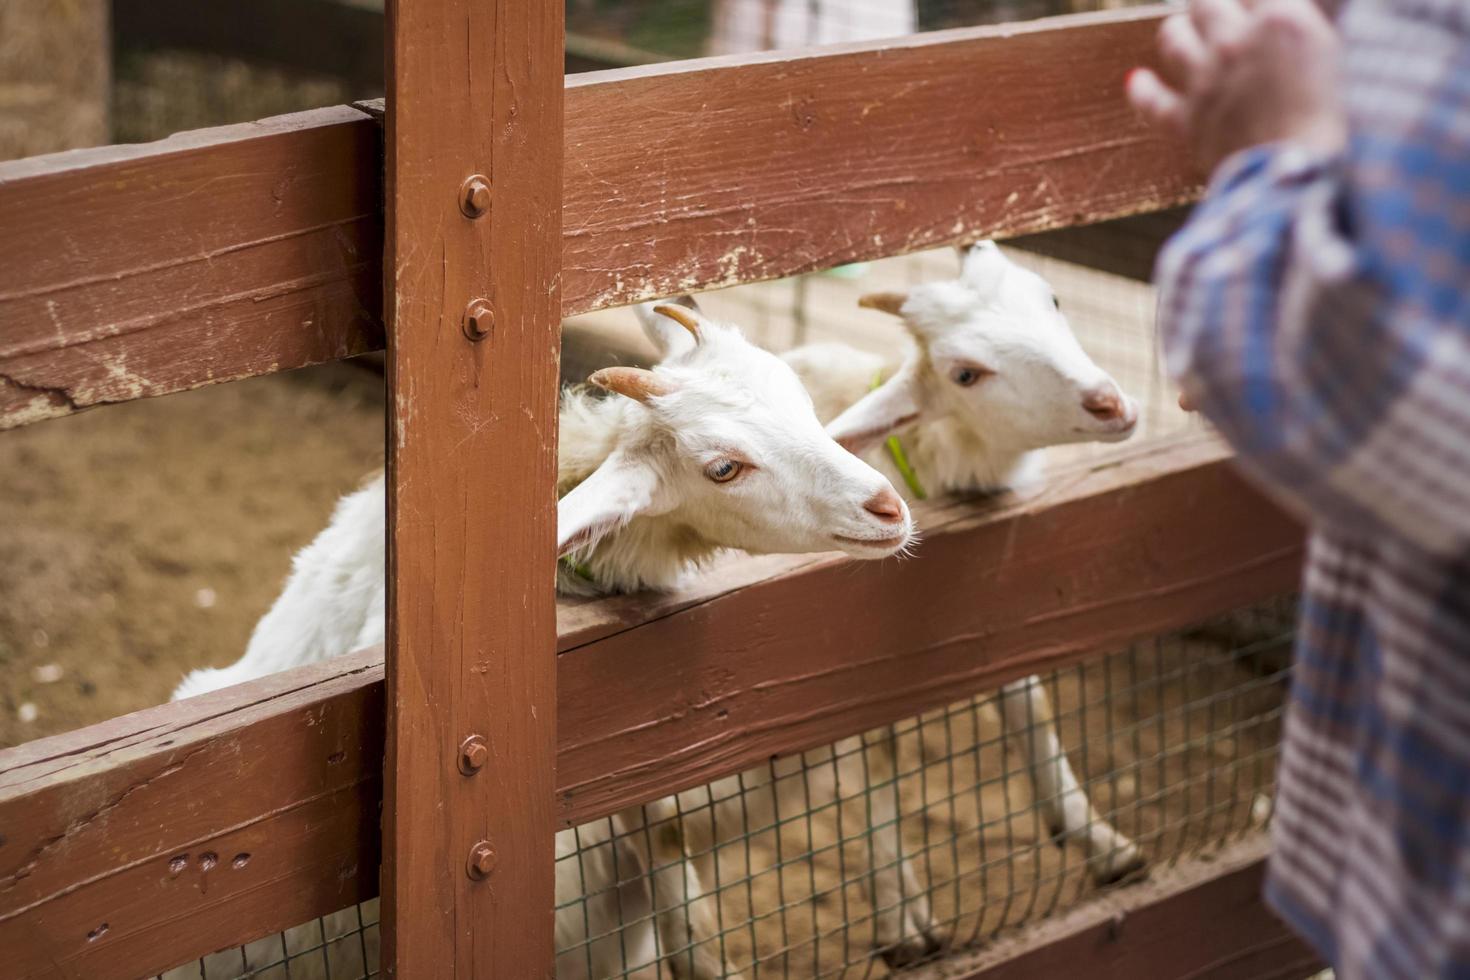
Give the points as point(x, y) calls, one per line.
point(133, 271)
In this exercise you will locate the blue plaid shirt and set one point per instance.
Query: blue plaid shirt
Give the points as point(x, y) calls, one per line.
point(1318, 311)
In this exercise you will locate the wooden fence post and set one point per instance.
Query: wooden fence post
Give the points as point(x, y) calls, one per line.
point(472, 307)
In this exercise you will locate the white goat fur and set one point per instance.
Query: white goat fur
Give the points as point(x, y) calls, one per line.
point(639, 508)
point(982, 437)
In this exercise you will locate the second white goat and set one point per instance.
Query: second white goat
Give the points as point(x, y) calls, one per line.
point(992, 375)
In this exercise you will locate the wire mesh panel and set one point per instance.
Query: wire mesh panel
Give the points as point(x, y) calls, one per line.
point(936, 834)
point(340, 946)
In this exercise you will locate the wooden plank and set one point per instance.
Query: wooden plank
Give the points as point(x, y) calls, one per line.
point(131, 271)
point(1125, 247)
point(842, 155)
point(106, 833)
point(1116, 550)
point(1203, 917)
point(259, 254)
point(475, 87)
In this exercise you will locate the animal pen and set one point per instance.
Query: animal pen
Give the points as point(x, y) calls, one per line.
point(329, 819)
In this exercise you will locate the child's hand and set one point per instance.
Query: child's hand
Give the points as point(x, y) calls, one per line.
point(1238, 73)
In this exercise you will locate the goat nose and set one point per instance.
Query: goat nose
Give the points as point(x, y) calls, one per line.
point(1105, 404)
point(885, 506)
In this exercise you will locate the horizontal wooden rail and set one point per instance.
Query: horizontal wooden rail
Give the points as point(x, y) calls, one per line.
point(1202, 918)
point(253, 809)
point(131, 271)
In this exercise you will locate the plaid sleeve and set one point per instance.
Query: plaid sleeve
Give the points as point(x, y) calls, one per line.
point(1318, 308)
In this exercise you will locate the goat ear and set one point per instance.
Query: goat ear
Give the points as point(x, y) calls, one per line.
point(639, 384)
point(888, 410)
point(616, 492)
point(982, 266)
point(673, 325)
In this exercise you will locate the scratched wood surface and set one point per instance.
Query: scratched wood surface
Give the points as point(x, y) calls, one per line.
point(162, 835)
point(130, 271)
point(1201, 918)
point(475, 87)
point(1114, 551)
point(135, 271)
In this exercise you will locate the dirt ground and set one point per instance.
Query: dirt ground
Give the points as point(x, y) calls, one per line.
point(143, 540)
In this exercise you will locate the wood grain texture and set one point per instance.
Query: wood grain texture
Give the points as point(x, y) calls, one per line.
point(106, 834)
point(134, 271)
point(1202, 918)
point(1116, 550)
point(763, 166)
point(475, 86)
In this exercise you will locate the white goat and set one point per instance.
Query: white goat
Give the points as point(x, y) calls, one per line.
point(717, 447)
point(993, 374)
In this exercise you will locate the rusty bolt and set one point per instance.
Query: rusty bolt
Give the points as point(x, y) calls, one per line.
point(482, 861)
point(479, 320)
point(473, 754)
point(474, 196)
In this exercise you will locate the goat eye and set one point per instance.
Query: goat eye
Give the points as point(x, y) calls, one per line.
point(1056, 302)
point(967, 374)
point(723, 470)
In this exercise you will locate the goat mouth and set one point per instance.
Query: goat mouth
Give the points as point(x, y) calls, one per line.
point(890, 543)
point(1110, 431)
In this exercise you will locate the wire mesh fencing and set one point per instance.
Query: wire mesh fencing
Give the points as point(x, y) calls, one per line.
point(909, 841)
point(340, 946)
point(942, 832)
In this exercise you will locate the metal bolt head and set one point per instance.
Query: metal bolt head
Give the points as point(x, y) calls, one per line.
point(473, 754)
point(479, 320)
point(482, 861)
point(474, 196)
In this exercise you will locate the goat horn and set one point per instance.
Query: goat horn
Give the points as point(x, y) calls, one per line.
point(638, 384)
point(887, 302)
point(684, 318)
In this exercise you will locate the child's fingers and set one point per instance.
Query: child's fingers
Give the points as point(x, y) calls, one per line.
point(1217, 20)
point(1182, 52)
point(1154, 100)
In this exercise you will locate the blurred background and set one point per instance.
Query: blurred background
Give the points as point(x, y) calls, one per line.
point(87, 72)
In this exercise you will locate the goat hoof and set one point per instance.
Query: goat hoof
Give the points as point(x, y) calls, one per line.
point(1119, 865)
point(915, 949)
